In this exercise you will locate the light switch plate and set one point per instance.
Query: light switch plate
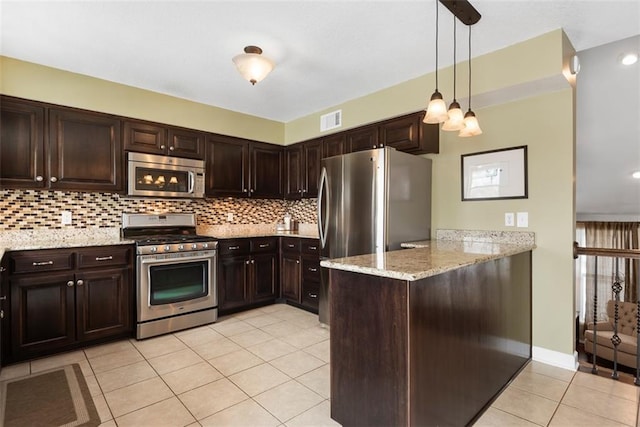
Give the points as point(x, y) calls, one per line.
point(509, 219)
point(522, 219)
point(66, 218)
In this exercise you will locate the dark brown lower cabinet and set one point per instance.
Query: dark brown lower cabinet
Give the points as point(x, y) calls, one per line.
point(434, 351)
point(247, 273)
point(61, 299)
point(300, 277)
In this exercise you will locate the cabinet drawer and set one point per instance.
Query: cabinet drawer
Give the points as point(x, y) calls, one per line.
point(104, 256)
point(234, 247)
point(40, 260)
point(311, 269)
point(310, 294)
point(310, 246)
point(291, 244)
point(264, 244)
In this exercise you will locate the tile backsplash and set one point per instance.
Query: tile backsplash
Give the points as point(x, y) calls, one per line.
point(34, 209)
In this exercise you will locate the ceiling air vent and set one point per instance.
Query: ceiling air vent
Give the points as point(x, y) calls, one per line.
point(331, 120)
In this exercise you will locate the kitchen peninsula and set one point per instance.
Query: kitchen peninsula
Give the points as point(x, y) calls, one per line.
point(428, 335)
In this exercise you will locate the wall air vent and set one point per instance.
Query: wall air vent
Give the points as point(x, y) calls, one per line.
point(331, 120)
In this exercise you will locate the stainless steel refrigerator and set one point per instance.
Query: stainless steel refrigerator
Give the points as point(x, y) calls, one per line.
point(371, 201)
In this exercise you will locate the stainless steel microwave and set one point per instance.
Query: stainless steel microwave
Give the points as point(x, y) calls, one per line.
point(163, 176)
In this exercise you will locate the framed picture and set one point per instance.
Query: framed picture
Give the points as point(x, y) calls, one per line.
point(496, 174)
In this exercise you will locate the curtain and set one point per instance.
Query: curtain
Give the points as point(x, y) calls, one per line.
point(615, 235)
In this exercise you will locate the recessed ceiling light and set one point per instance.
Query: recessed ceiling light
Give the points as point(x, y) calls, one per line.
point(636, 175)
point(629, 58)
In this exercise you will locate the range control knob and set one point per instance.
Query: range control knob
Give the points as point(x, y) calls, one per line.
point(167, 248)
point(205, 245)
point(154, 249)
point(194, 246)
point(181, 247)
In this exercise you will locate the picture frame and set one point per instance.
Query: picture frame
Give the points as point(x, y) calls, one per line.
point(495, 175)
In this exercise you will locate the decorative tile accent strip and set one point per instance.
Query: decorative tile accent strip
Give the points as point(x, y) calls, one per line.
point(35, 209)
point(512, 237)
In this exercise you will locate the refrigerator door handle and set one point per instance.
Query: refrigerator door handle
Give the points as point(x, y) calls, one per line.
point(323, 220)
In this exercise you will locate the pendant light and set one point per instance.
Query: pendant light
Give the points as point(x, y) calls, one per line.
point(471, 125)
point(455, 118)
point(437, 109)
point(252, 65)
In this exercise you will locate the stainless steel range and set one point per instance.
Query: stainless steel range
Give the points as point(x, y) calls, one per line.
point(176, 273)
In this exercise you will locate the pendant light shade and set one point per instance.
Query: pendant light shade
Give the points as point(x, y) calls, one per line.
point(454, 115)
point(471, 125)
point(252, 65)
point(437, 109)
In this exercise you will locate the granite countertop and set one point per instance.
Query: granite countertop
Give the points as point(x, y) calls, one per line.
point(308, 231)
point(427, 258)
point(60, 238)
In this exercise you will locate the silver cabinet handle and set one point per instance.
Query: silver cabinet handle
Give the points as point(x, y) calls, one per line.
point(70, 283)
point(313, 269)
point(313, 248)
point(171, 148)
point(311, 295)
point(244, 190)
point(264, 245)
point(253, 261)
point(290, 245)
point(2, 269)
point(53, 179)
point(104, 258)
point(247, 262)
point(80, 282)
point(375, 146)
point(3, 298)
point(36, 264)
point(39, 178)
point(233, 248)
point(297, 261)
point(162, 147)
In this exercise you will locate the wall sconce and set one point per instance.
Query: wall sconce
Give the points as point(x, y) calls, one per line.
point(252, 65)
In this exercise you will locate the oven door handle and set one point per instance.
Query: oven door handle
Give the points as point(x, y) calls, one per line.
point(192, 182)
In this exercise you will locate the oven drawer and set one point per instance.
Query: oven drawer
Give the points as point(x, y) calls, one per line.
point(234, 247)
point(104, 256)
point(40, 260)
point(291, 244)
point(264, 244)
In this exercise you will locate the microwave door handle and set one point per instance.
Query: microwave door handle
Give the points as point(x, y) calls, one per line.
point(192, 180)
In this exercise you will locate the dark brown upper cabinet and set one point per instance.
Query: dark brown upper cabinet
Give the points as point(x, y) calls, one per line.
point(241, 168)
point(85, 151)
point(22, 155)
point(155, 138)
point(334, 145)
point(362, 138)
point(409, 134)
point(302, 169)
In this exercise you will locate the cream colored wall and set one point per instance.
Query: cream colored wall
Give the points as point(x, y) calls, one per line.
point(32, 81)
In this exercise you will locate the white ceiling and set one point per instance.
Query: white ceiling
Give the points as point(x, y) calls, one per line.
point(326, 52)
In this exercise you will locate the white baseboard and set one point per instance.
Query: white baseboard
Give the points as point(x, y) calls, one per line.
point(555, 358)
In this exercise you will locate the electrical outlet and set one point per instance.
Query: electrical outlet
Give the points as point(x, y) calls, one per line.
point(66, 218)
point(230, 216)
point(509, 219)
point(522, 219)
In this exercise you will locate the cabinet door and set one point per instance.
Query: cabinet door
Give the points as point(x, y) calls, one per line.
point(233, 282)
point(409, 134)
point(364, 138)
point(294, 165)
point(266, 171)
point(312, 156)
point(103, 304)
point(42, 314)
point(227, 167)
point(22, 162)
point(290, 277)
point(265, 276)
point(145, 137)
point(186, 143)
point(85, 151)
point(334, 145)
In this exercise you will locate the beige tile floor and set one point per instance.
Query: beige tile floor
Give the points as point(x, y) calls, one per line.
point(270, 367)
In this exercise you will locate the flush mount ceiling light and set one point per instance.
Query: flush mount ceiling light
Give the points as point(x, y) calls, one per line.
point(629, 58)
point(252, 65)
